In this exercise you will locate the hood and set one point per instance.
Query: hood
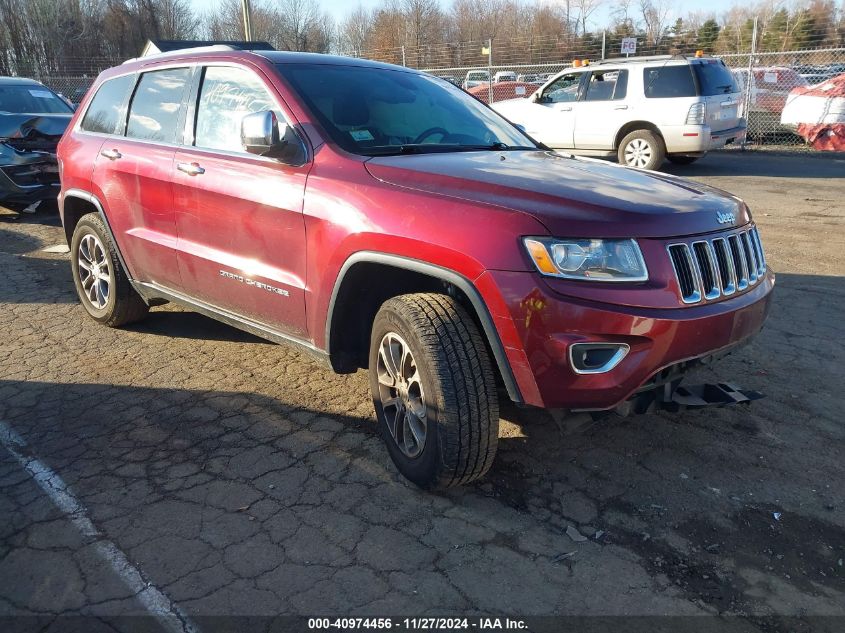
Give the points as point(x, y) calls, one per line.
point(33, 131)
point(572, 197)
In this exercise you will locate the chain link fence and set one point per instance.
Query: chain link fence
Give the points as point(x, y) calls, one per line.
point(507, 69)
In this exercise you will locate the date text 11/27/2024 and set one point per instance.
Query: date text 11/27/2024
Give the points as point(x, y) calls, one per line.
point(418, 624)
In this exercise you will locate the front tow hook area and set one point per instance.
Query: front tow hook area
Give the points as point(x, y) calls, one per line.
point(675, 397)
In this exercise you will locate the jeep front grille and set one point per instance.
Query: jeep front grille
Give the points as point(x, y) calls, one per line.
point(716, 267)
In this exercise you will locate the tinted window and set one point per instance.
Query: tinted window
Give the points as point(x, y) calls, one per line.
point(103, 114)
point(669, 81)
point(227, 95)
point(155, 109)
point(564, 88)
point(31, 99)
point(376, 111)
point(607, 85)
point(714, 78)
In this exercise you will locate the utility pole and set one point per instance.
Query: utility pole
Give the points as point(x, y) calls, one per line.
point(749, 79)
point(247, 20)
point(490, 71)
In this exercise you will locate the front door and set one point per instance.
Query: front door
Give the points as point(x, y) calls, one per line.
point(553, 121)
point(239, 216)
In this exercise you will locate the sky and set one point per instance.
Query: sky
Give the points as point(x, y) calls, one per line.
point(340, 8)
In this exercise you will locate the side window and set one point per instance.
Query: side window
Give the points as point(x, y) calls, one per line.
point(662, 82)
point(227, 95)
point(607, 85)
point(157, 104)
point(103, 115)
point(563, 89)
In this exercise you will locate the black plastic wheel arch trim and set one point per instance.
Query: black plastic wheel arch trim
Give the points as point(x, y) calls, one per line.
point(444, 274)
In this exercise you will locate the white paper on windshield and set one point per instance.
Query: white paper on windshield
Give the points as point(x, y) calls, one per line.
point(361, 135)
point(520, 90)
point(42, 94)
point(770, 78)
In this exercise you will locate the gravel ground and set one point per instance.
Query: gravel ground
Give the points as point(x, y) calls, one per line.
point(237, 477)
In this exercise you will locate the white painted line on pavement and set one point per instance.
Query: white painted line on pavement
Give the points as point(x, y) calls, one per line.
point(170, 616)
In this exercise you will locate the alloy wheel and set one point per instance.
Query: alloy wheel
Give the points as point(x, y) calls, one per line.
point(401, 395)
point(638, 153)
point(95, 275)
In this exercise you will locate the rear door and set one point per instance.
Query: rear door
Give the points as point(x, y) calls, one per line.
point(133, 173)
point(239, 216)
point(718, 88)
point(603, 110)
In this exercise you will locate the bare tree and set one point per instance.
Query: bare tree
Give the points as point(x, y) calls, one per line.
point(655, 16)
point(355, 31)
point(585, 8)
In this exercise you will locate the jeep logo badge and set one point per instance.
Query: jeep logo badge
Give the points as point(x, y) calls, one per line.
point(725, 218)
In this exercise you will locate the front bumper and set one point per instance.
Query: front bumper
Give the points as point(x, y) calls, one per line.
point(540, 325)
point(697, 139)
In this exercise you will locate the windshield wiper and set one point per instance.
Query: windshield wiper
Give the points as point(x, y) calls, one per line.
point(435, 148)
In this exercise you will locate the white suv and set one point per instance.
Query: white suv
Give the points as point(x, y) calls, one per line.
point(643, 109)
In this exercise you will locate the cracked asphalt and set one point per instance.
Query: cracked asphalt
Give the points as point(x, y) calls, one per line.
point(243, 478)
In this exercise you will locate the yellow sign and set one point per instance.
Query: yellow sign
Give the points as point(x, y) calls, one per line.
point(485, 50)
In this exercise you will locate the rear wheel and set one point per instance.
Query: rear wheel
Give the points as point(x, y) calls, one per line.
point(434, 390)
point(682, 160)
point(102, 285)
point(642, 149)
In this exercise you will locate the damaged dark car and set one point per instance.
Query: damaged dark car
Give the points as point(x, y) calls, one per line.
point(32, 120)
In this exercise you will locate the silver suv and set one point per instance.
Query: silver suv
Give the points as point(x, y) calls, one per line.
point(642, 109)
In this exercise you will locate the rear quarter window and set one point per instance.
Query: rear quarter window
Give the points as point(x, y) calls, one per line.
point(666, 82)
point(103, 115)
point(714, 78)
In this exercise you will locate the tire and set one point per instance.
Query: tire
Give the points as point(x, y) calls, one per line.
point(642, 149)
point(108, 298)
point(448, 391)
point(676, 159)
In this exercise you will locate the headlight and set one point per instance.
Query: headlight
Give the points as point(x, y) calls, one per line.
point(593, 260)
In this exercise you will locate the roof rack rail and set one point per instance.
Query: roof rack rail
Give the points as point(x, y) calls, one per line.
point(642, 58)
point(196, 49)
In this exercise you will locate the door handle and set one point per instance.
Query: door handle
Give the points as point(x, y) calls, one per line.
point(620, 107)
point(566, 109)
point(111, 154)
point(192, 169)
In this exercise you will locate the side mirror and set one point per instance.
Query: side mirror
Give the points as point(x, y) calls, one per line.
point(536, 97)
point(264, 135)
point(260, 132)
point(520, 127)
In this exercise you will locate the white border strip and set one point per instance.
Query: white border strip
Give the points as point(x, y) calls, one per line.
point(170, 616)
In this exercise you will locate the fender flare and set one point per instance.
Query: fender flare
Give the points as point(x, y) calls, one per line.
point(444, 274)
point(92, 199)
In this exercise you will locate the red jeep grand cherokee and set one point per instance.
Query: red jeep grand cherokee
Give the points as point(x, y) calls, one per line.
point(384, 219)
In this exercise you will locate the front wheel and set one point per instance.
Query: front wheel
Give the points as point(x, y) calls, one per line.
point(434, 390)
point(642, 149)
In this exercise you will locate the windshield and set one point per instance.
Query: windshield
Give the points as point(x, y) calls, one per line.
point(714, 78)
point(378, 111)
point(31, 99)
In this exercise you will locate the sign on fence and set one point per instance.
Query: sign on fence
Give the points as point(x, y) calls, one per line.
point(629, 45)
